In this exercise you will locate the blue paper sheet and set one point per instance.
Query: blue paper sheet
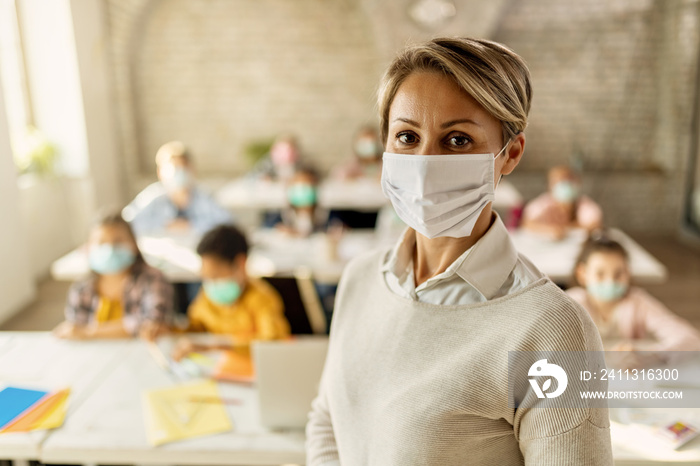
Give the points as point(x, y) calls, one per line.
point(14, 401)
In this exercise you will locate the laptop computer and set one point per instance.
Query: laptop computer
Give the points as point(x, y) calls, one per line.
point(287, 375)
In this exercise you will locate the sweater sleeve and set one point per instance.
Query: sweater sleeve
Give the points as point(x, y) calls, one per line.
point(578, 435)
point(321, 447)
point(587, 444)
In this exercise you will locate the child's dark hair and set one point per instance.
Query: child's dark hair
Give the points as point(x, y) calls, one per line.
point(112, 218)
point(224, 241)
point(309, 170)
point(598, 241)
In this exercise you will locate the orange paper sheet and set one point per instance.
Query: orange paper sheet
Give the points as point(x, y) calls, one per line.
point(235, 367)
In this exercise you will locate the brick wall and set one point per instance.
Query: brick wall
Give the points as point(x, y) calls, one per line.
point(614, 84)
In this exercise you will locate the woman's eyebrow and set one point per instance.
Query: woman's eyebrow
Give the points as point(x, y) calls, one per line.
point(456, 122)
point(444, 125)
point(406, 120)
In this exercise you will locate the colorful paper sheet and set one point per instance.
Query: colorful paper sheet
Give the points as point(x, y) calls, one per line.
point(235, 367)
point(48, 413)
point(175, 414)
point(15, 401)
point(23, 410)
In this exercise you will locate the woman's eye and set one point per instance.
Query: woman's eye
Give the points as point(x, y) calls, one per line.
point(458, 141)
point(407, 138)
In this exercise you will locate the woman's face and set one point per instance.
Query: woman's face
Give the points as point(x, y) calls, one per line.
point(432, 115)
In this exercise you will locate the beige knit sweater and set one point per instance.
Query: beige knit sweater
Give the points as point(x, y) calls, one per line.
point(410, 383)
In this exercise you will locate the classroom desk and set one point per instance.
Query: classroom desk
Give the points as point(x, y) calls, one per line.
point(109, 427)
point(361, 195)
point(276, 253)
point(635, 444)
point(272, 253)
point(557, 258)
point(37, 360)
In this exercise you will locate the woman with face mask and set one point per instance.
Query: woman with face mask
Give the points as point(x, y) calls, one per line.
point(123, 296)
point(623, 313)
point(417, 366)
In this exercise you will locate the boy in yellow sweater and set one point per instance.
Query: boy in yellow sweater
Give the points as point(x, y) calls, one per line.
point(230, 302)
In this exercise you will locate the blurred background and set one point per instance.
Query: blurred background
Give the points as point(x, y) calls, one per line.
point(92, 88)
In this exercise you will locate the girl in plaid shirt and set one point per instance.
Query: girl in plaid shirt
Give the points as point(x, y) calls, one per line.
point(124, 296)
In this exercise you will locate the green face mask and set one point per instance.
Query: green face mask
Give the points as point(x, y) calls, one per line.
point(301, 195)
point(607, 291)
point(223, 292)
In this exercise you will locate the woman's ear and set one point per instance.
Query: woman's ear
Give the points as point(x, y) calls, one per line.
point(514, 152)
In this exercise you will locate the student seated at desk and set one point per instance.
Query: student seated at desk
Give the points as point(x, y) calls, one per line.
point(174, 203)
point(124, 296)
point(622, 311)
point(282, 161)
point(303, 216)
point(562, 207)
point(230, 302)
point(367, 162)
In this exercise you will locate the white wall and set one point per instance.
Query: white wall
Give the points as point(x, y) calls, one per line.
point(16, 284)
point(67, 71)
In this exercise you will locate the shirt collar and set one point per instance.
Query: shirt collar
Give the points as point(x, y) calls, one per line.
point(485, 266)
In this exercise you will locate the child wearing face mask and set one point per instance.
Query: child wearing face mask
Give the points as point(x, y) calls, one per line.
point(367, 162)
point(302, 215)
point(175, 203)
point(621, 311)
point(562, 207)
point(230, 302)
point(123, 296)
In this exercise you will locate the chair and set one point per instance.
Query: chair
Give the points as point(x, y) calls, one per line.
point(302, 306)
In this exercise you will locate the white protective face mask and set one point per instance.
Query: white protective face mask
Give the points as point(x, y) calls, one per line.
point(439, 195)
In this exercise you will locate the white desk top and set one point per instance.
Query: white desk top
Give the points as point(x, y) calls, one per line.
point(277, 253)
point(557, 258)
point(37, 360)
point(105, 422)
point(274, 252)
point(360, 194)
point(109, 427)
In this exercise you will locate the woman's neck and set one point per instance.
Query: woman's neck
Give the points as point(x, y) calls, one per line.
point(431, 257)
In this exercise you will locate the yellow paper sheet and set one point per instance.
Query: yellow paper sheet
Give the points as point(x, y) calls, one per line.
point(171, 414)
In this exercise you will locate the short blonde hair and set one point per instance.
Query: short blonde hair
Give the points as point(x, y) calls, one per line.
point(170, 150)
point(495, 76)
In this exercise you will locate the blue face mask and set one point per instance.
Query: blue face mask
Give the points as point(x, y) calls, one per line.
point(301, 195)
point(222, 292)
point(607, 291)
point(108, 259)
point(565, 191)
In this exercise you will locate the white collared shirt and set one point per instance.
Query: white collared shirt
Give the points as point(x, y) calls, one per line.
point(490, 269)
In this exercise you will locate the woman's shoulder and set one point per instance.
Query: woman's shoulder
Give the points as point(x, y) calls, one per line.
point(553, 316)
point(365, 263)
